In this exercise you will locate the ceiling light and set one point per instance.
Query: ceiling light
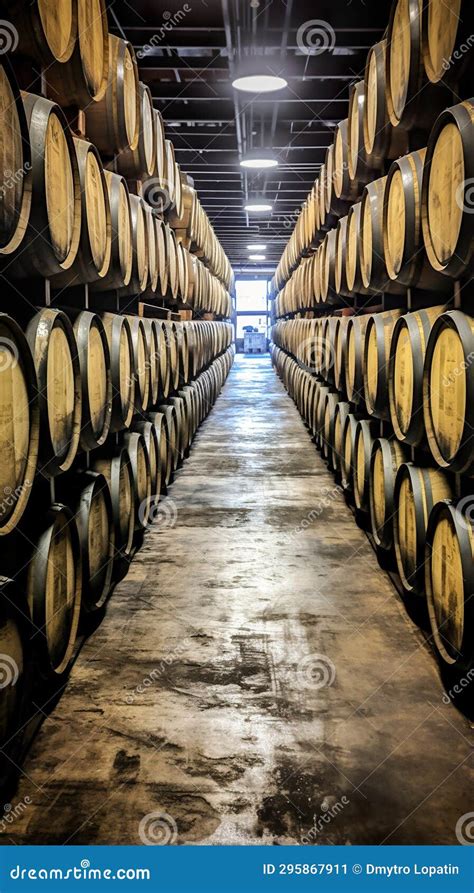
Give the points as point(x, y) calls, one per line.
point(257, 257)
point(257, 206)
point(255, 75)
point(259, 158)
point(174, 123)
point(256, 247)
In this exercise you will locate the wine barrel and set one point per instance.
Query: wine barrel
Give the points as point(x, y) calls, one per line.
point(172, 438)
point(382, 140)
point(447, 40)
point(387, 456)
point(183, 353)
point(96, 381)
point(348, 452)
point(186, 394)
point(139, 277)
point(340, 281)
point(450, 582)
point(51, 240)
point(121, 259)
point(82, 79)
point(328, 268)
point(182, 429)
point(341, 412)
point(172, 255)
point(54, 587)
point(141, 362)
point(448, 391)
point(88, 497)
point(354, 250)
point(119, 340)
point(135, 444)
point(149, 431)
point(405, 375)
point(340, 344)
point(46, 29)
point(139, 163)
point(152, 245)
point(92, 261)
point(162, 256)
point(159, 420)
point(344, 188)
point(360, 165)
point(14, 634)
point(372, 262)
point(171, 338)
point(354, 358)
point(116, 467)
point(447, 218)
point(19, 423)
point(112, 123)
point(365, 434)
point(15, 192)
point(164, 371)
point(417, 490)
point(153, 361)
point(53, 346)
point(329, 419)
point(405, 257)
point(378, 335)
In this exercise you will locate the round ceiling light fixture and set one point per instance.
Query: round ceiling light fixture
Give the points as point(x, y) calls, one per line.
point(256, 247)
point(255, 75)
point(259, 159)
point(257, 205)
point(257, 257)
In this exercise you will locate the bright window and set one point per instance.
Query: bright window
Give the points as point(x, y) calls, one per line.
point(251, 294)
point(258, 322)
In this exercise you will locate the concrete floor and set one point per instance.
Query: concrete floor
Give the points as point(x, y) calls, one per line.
point(256, 675)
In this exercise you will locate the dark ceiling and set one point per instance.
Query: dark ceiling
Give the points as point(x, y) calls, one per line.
point(190, 51)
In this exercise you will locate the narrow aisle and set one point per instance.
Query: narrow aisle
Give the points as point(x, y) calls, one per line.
point(227, 702)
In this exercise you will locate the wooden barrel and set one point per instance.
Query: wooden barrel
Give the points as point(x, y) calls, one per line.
point(354, 358)
point(171, 338)
point(172, 255)
point(381, 139)
point(160, 170)
point(159, 420)
point(447, 40)
point(417, 490)
point(153, 361)
point(403, 248)
point(360, 165)
point(121, 259)
point(51, 241)
point(405, 375)
point(164, 371)
point(113, 122)
point(15, 192)
point(372, 262)
point(14, 659)
point(83, 78)
point(344, 187)
point(119, 340)
point(54, 587)
point(152, 246)
point(354, 251)
point(182, 429)
point(327, 435)
point(186, 394)
point(387, 456)
point(378, 335)
point(348, 453)
point(162, 256)
point(93, 258)
point(450, 582)
point(19, 423)
point(183, 353)
point(46, 29)
point(141, 362)
point(53, 346)
point(448, 391)
point(340, 281)
point(365, 434)
point(447, 195)
point(149, 430)
point(141, 473)
point(411, 101)
point(328, 268)
point(96, 381)
point(172, 437)
point(340, 344)
point(88, 496)
point(341, 411)
point(116, 468)
point(139, 277)
point(139, 163)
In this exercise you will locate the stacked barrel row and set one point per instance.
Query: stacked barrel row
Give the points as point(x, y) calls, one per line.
point(412, 508)
point(400, 165)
